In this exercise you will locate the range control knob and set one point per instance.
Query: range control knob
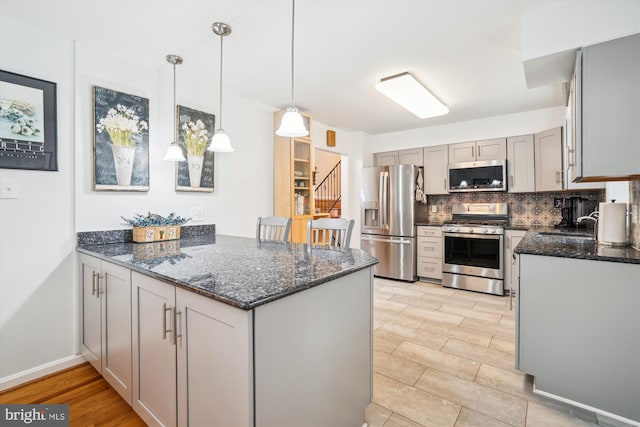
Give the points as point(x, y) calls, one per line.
point(471, 230)
point(487, 231)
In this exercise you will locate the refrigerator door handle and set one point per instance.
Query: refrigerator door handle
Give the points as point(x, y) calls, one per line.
point(385, 199)
point(381, 198)
point(399, 241)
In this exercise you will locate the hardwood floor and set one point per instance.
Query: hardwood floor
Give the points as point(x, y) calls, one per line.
point(92, 401)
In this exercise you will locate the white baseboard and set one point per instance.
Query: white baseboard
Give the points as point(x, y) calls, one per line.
point(631, 423)
point(40, 371)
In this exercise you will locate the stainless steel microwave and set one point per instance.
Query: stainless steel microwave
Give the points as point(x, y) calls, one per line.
point(489, 175)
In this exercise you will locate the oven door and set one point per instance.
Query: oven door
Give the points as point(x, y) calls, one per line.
point(474, 255)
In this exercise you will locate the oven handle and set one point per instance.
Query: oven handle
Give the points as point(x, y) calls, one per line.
point(474, 235)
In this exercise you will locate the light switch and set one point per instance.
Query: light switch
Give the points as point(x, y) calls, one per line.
point(434, 208)
point(8, 189)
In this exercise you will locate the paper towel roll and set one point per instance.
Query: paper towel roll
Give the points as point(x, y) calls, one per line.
point(612, 224)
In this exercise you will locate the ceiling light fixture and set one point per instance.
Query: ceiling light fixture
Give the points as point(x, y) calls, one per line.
point(174, 152)
point(292, 124)
point(220, 141)
point(405, 90)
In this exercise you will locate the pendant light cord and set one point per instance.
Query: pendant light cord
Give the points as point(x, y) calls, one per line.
point(174, 103)
point(293, 27)
point(221, 58)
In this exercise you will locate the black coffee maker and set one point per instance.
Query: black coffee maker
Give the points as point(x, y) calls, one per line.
point(573, 208)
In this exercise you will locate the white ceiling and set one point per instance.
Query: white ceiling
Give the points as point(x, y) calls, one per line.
point(467, 52)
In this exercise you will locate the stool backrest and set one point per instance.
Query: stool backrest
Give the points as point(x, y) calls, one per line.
point(333, 233)
point(273, 229)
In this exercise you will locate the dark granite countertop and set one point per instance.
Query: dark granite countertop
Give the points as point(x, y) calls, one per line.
point(572, 243)
point(235, 270)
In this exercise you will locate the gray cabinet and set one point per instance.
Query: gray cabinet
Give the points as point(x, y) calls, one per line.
point(511, 240)
point(548, 160)
point(488, 149)
point(387, 158)
point(436, 159)
point(578, 331)
point(105, 335)
point(429, 252)
point(607, 110)
point(520, 164)
point(411, 156)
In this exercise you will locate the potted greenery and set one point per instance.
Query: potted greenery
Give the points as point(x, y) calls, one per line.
point(153, 227)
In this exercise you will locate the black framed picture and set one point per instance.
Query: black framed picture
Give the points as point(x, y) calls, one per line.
point(194, 131)
point(120, 141)
point(28, 123)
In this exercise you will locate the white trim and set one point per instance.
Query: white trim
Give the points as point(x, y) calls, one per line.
point(40, 371)
point(583, 406)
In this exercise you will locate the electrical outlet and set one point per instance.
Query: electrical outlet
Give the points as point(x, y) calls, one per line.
point(434, 208)
point(197, 213)
point(8, 190)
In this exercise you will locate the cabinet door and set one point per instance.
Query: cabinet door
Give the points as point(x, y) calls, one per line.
point(430, 247)
point(611, 108)
point(115, 287)
point(91, 314)
point(511, 240)
point(299, 228)
point(215, 383)
point(462, 152)
point(154, 351)
point(548, 160)
point(436, 159)
point(386, 159)
point(491, 149)
point(413, 156)
point(520, 164)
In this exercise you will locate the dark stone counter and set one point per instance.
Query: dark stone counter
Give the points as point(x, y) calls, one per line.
point(235, 270)
point(571, 243)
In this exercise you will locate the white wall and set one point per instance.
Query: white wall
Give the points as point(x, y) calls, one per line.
point(37, 244)
point(490, 127)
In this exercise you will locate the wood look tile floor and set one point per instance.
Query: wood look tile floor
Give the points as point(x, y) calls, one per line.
point(446, 358)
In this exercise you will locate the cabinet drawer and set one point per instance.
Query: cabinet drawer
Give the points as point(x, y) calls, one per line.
point(429, 267)
point(430, 247)
point(429, 231)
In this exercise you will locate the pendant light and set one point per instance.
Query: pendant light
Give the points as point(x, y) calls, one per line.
point(292, 124)
point(220, 141)
point(174, 152)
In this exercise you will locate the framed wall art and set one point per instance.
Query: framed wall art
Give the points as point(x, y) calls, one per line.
point(120, 141)
point(194, 131)
point(28, 123)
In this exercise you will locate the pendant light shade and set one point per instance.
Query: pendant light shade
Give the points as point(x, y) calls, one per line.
point(174, 152)
point(220, 141)
point(292, 124)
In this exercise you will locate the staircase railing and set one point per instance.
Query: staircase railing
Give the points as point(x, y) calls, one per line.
point(329, 188)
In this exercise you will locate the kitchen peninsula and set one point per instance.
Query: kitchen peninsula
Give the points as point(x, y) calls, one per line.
point(227, 330)
point(578, 320)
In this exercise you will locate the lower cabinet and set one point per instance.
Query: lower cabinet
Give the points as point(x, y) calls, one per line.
point(511, 240)
point(192, 358)
point(429, 252)
point(105, 321)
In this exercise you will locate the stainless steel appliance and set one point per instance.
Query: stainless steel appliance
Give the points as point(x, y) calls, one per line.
point(488, 175)
point(573, 208)
point(387, 226)
point(473, 247)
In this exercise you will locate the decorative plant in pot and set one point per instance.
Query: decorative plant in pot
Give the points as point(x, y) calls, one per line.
point(123, 127)
point(154, 227)
point(196, 139)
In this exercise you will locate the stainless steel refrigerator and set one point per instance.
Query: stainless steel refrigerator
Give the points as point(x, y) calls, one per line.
point(388, 219)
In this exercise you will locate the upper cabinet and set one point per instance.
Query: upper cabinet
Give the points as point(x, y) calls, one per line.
point(520, 164)
point(548, 160)
point(488, 149)
point(606, 111)
point(435, 169)
point(387, 158)
point(412, 156)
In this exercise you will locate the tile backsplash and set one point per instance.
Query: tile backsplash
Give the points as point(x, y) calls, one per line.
point(634, 205)
point(525, 209)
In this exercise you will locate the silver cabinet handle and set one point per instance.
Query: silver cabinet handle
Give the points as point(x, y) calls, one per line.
point(98, 277)
point(176, 335)
point(165, 331)
point(513, 181)
point(93, 283)
point(473, 150)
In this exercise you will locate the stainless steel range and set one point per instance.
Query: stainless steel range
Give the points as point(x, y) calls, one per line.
point(473, 247)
